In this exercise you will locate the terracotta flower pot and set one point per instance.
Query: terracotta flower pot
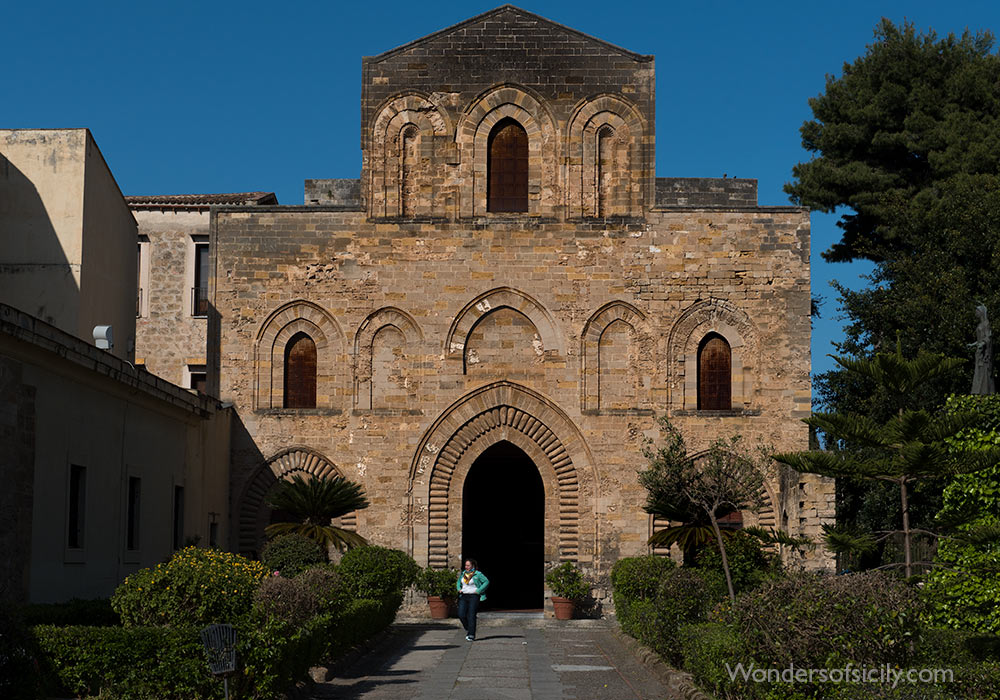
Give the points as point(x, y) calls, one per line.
point(439, 607)
point(563, 608)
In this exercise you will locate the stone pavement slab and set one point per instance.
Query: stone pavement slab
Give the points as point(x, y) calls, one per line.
point(511, 660)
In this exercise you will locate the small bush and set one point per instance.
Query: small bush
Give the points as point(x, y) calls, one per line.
point(291, 554)
point(196, 587)
point(285, 600)
point(18, 675)
point(566, 581)
point(373, 572)
point(638, 578)
point(439, 582)
point(324, 583)
point(635, 582)
point(685, 597)
point(749, 565)
point(75, 612)
point(821, 621)
point(705, 649)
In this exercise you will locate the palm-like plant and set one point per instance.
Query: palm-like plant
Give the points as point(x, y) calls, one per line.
point(314, 503)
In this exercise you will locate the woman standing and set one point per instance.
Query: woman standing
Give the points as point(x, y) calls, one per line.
point(472, 586)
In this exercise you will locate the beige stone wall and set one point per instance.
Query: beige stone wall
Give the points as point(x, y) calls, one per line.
point(108, 279)
point(499, 326)
point(63, 214)
point(169, 337)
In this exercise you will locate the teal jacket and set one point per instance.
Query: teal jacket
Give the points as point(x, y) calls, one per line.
point(482, 583)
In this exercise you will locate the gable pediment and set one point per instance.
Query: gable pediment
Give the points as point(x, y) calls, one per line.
point(521, 32)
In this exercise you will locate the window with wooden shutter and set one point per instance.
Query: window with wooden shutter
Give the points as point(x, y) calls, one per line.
point(507, 168)
point(300, 372)
point(715, 391)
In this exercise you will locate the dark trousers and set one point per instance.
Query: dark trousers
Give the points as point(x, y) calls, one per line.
point(468, 606)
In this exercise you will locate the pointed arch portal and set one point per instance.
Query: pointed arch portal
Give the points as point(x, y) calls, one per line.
point(503, 526)
point(496, 453)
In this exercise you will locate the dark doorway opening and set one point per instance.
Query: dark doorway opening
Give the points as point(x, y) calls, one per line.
point(503, 526)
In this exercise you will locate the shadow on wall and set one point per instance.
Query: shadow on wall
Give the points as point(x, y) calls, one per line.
point(35, 274)
point(243, 451)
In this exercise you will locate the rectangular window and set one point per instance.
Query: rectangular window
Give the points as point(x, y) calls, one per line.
point(77, 506)
point(199, 290)
point(132, 528)
point(142, 278)
point(178, 517)
point(197, 375)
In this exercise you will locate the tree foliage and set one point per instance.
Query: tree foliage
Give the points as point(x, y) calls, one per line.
point(689, 488)
point(914, 111)
point(912, 446)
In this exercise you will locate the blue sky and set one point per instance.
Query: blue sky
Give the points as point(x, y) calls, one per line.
point(222, 96)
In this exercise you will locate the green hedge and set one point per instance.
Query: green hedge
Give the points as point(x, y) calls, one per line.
point(135, 663)
point(18, 676)
point(635, 582)
point(162, 663)
point(79, 612)
point(654, 600)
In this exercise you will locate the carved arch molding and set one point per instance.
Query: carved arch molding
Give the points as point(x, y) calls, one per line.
point(253, 509)
point(497, 412)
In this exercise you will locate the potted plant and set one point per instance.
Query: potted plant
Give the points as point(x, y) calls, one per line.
point(568, 588)
point(439, 585)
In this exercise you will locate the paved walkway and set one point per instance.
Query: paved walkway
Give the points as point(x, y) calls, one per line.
point(511, 660)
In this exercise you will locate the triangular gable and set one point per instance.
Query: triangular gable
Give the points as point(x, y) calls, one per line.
point(494, 13)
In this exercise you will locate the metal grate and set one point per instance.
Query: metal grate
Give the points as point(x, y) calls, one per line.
point(220, 646)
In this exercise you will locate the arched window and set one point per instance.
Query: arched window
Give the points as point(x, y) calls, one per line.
point(507, 167)
point(605, 168)
point(407, 170)
point(715, 391)
point(300, 372)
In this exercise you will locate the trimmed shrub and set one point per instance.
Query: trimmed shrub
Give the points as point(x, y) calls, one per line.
point(686, 596)
point(291, 554)
point(638, 578)
point(705, 649)
point(359, 621)
point(373, 572)
point(274, 654)
point(196, 587)
point(635, 582)
point(162, 663)
point(285, 600)
point(142, 663)
point(824, 621)
point(76, 612)
point(324, 583)
point(749, 564)
point(18, 675)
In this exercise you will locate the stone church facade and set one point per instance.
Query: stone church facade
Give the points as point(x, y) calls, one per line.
point(485, 328)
